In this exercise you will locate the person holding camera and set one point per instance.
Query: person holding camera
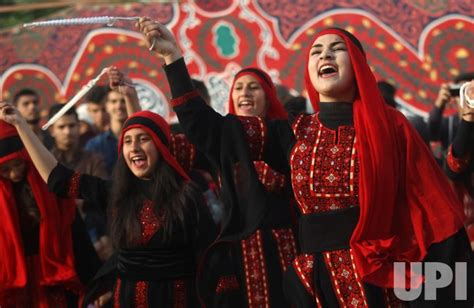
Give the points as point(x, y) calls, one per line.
point(459, 164)
point(443, 129)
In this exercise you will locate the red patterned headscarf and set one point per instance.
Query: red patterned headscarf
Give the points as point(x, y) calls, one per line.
point(406, 203)
point(275, 110)
point(56, 256)
point(158, 130)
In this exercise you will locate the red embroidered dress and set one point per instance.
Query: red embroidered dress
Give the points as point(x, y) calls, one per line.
point(325, 179)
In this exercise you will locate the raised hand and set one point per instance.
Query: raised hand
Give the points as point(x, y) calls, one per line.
point(160, 39)
point(9, 114)
point(443, 96)
point(120, 82)
point(43, 160)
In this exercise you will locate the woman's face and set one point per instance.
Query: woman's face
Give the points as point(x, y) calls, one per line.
point(13, 170)
point(330, 69)
point(249, 97)
point(140, 153)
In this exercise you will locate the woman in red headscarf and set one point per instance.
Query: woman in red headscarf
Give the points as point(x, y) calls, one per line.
point(366, 169)
point(37, 266)
point(368, 190)
point(157, 221)
point(260, 258)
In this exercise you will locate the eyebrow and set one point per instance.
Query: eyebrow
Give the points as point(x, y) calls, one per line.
point(330, 45)
point(250, 83)
point(137, 136)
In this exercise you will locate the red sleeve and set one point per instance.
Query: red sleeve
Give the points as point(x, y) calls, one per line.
point(457, 165)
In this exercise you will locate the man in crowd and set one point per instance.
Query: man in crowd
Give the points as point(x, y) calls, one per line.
point(27, 102)
point(95, 100)
point(106, 143)
point(66, 149)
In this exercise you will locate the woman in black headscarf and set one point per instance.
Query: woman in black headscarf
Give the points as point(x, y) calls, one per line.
point(157, 220)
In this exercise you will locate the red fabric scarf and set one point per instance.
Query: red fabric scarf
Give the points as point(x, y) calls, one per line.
point(406, 203)
point(55, 239)
point(275, 110)
point(163, 127)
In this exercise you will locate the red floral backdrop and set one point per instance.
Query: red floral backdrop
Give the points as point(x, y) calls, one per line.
point(414, 44)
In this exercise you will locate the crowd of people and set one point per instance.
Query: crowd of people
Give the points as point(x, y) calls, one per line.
point(267, 206)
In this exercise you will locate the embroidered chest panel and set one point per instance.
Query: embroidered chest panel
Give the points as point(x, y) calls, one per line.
point(255, 132)
point(324, 166)
point(149, 222)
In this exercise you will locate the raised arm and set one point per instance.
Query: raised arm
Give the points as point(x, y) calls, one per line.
point(435, 118)
point(61, 180)
point(160, 40)
point(43, 160)
point(119, 82)
point(201, 124)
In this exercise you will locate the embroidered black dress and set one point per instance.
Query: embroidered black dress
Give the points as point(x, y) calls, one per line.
point(156, 273)
point(258, 240)
point(325, 177)
point(260, 259)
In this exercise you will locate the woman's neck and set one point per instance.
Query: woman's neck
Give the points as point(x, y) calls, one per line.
point(342, 95)
point(145, 187)
point(335, 114)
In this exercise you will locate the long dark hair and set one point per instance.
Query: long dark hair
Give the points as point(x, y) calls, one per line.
point(28, 210)
point(172, 195)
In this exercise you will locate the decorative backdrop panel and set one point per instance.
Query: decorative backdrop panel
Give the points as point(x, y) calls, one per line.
point(414, 44)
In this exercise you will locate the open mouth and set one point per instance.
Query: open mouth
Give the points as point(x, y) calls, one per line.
point(245, 104)
point(327, 70)
point(138, 161)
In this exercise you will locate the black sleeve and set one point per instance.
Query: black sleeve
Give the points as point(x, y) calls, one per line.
point(462, 143)
point(206, 229)
point(66, 183)
point(202, 163)
point(462, 146)
point(200, 123)
point(434, 123)
point(279, 144)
